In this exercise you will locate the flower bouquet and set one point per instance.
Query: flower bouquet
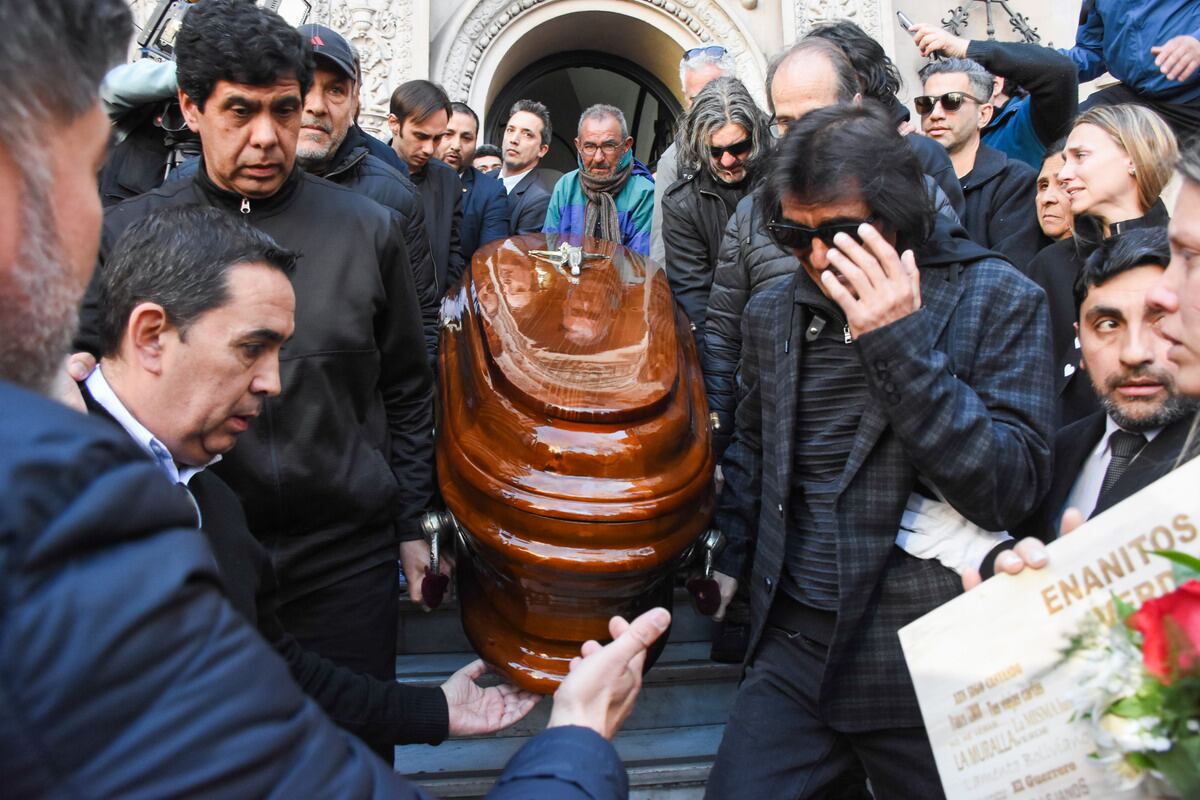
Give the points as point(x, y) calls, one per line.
point(1139, 686)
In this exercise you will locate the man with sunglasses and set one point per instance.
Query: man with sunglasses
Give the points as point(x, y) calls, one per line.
point(999, 191)
point(606, 197)
point(698, 66)
point(901, 356)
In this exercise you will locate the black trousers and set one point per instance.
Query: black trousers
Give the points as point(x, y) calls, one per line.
point(776, 745)
point(352, 623)
point(1184, 118)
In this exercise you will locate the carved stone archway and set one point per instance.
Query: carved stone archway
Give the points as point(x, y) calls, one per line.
point(473, 58)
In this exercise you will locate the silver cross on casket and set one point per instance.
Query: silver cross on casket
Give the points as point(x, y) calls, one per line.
point(566, 255)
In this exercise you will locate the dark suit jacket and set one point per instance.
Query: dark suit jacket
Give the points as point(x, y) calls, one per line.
point(959, 392)
point(527, 204)
point(359, 703)
point(1073, 444)
point(485, 211)
point(442, 192)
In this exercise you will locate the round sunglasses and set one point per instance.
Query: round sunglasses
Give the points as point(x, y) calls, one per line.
point(951, 101)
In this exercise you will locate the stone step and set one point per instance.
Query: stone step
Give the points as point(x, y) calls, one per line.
point(662, 763)
point(683, 688)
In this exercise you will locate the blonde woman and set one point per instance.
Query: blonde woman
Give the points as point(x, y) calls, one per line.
point(1116, 162)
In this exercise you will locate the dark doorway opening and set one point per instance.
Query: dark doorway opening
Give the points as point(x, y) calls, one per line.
point(570, 82)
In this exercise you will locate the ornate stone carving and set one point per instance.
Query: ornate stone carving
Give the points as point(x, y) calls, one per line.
point(707, 20)
point(864, 13)
point(382, 32)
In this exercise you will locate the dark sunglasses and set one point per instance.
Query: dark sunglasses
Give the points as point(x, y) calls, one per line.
point(713, 50)
point(951, 101)
point(736, 149)
point(791, 236)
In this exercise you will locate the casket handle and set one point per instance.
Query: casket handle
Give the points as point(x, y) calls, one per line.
point(706, 594)
point(435, 525)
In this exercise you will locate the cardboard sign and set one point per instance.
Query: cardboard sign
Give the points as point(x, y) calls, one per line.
point(997, 711)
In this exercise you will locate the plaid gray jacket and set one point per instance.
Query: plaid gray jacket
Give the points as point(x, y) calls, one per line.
point(960, 393)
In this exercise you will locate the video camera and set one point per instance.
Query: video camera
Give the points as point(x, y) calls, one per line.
point(158, 37)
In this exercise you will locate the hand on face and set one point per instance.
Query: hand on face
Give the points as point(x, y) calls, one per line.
point(877, 285)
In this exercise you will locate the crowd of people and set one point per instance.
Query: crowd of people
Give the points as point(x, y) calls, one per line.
point(928, 345)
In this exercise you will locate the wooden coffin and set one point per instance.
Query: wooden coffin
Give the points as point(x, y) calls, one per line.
point(573, 449)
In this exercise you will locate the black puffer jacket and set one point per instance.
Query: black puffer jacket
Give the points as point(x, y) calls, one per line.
point(694, 219)
point(748, 262)
point(340, 465)
point(356, 168)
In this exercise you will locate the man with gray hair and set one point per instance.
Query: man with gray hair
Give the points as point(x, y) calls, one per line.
point(999, 191)
point(697, 67)
point(604, 198)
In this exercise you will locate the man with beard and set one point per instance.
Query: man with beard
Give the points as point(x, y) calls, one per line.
point(604, 198)
point(484, 202)
point(1105, 457)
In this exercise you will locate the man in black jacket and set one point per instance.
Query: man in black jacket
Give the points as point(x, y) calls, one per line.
point(333, 147)
point(722, 144)
point(339, 469)
point(196, 308)
point(1109, 455)
point(1021, 127)
point(420, 112)
point(999, 191)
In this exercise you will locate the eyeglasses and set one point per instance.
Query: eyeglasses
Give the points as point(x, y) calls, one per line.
point(736, 149)
point(712, 50)
point(951, 101)
point(589, 148)
point(778, 127)
point(791, 236)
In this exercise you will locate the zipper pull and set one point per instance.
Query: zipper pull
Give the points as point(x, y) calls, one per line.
point(246, 210)
point(846, 334)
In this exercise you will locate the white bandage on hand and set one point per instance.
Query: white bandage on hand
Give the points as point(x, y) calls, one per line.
point(933, 529)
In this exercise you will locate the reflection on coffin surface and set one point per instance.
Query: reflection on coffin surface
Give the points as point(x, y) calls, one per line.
point(573, 447)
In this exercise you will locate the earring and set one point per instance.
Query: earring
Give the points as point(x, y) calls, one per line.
point(1133, 170)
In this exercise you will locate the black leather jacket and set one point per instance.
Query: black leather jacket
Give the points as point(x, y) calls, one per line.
point(340, 465)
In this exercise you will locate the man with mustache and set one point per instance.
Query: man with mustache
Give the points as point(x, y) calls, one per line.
point(336, 474)
point(1105, 457)
point(606, 197)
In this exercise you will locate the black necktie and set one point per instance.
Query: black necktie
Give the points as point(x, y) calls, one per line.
point(1124, 446)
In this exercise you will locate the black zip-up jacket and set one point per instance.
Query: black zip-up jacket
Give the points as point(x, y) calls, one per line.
point(1001, 213)
point(340, 465)
point(694, 218)
point(442, 192)
point(356, 167)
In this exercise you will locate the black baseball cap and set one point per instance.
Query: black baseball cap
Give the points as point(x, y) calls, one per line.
point(329, 44)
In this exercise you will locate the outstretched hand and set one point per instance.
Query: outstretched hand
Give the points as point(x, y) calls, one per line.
point(600, 691)
point(474, 709)
point(1029, 552)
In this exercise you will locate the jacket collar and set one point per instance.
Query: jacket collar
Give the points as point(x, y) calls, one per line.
point(236, 202)
point(349, 154)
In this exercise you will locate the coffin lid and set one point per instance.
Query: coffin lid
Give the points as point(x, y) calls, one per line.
point(597, 347)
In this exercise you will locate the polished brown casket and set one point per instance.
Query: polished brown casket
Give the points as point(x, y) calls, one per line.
point(573, 448)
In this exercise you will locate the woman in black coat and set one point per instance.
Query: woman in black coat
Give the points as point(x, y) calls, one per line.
point(1117, 161)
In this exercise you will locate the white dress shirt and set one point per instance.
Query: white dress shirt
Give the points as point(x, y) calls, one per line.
point(1086, 489)
point(510, 182)
point(102, 392)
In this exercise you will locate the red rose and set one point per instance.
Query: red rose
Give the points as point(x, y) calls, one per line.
point(1170, 626)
